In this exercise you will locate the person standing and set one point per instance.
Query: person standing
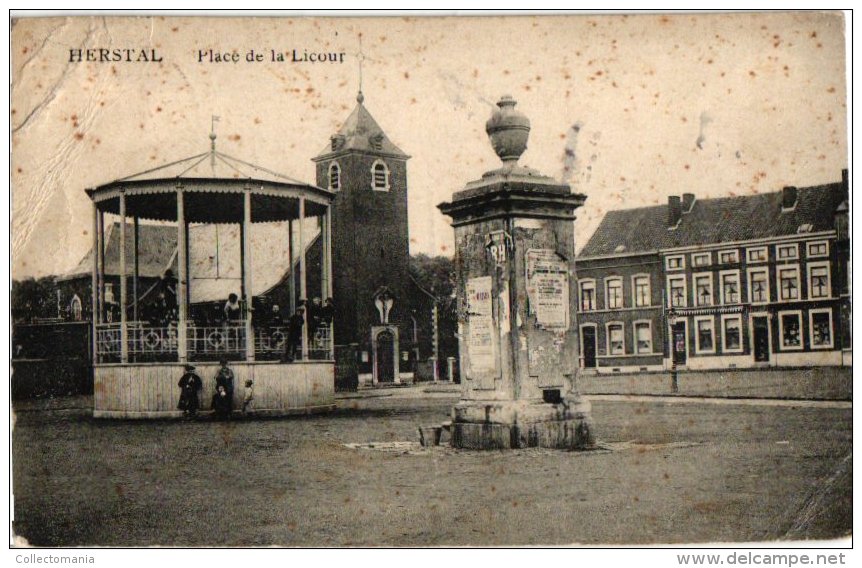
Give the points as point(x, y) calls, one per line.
point(224, 379)
point(190, 385)
point(294, 334)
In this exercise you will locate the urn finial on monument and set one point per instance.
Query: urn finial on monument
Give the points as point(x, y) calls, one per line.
point(508, 130)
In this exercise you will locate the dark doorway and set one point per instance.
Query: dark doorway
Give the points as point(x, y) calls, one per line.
point(761, 339)
point(589, 347)
point(385, 357)
point(679, 340)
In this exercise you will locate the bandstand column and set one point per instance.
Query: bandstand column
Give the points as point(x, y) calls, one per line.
point(292, 284)
point(137, 268)
point(124, 326)
point(100, 252)
point(246, 274)
point(94, 306)
point(302, 283)
point(182, 282)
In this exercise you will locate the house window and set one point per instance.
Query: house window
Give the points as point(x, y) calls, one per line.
point(334, 176)
point(677, 292)
point(703, 289)
point(728, 257)
point(641, 287)
point(675, 262)
point(702, 259)
point(787, 252)
point(76, 309)
point(820, 324)
point(758, 254)
point(616, 339)
point(758, 286)
point(788, 282)
point(643, 336)
point(731, 333)
point(818, 280)
point(705, 335)
point(588, 295)
point(379, 176)
point(614, 292)
point(790, 324)
point(819, 248)
point(730, 287)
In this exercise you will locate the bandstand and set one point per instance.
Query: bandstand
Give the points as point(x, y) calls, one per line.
point(143, 339)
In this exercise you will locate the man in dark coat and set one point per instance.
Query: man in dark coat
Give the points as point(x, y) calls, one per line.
point(294, 334)
point(190, 384)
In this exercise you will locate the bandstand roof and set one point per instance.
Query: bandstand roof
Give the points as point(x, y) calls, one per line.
point(213, 184)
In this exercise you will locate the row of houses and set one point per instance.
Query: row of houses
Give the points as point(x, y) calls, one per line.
point(734, 282)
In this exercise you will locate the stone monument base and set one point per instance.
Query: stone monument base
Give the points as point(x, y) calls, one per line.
point(498, 425)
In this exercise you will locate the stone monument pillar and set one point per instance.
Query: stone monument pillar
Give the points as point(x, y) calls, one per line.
point(518, 342)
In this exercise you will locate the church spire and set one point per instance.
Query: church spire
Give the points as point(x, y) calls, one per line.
point(360, 57)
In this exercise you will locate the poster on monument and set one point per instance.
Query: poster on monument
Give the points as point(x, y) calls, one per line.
point(480, 341)
point(548, 289)
point(192, 192)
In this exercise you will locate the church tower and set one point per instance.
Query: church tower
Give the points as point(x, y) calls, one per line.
point(370, 249)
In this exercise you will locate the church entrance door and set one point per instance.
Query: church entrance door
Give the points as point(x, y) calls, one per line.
point(385, 357)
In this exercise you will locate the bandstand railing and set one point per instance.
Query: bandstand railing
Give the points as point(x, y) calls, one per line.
point(210, 342)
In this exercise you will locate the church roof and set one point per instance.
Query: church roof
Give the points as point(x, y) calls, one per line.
point(361, 132)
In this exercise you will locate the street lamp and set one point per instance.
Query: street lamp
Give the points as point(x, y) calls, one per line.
point(674, 383)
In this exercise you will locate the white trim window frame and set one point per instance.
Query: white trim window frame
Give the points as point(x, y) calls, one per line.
point(794, 283)
point(830, 329)
point(701, 259)
point(758, 297)
point(761, 254)
point(724, 335)
point(783, 253)
point(609, 346)
point(697, 334)
point(637, 341)
point(737, 286)
point(817, 254)
point(824, 280)
point(641, 295)
point(697, 278)
point(617, 301)
point(782, 331)
point(335, 167)
point(675, 300)
point(675, 262)
point(583, 285)
point(380, 183)
point(734, 256)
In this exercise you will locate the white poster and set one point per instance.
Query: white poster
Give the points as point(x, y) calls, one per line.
point(480, 340)
point(548, 289)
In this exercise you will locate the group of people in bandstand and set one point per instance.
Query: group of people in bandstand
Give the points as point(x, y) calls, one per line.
point(162, 310)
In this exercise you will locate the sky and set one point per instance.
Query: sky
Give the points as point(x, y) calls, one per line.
point(644, 106)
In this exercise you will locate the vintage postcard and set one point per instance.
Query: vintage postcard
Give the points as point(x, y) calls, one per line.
point(424, 281)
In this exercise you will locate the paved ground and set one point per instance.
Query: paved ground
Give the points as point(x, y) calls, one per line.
point(678, 471)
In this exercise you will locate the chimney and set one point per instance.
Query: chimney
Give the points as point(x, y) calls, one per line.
point(845, 177)
point(687, 202)
point(674, 211)
point(788, 198)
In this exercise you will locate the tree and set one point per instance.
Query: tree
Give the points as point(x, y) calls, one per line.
point(32, 298)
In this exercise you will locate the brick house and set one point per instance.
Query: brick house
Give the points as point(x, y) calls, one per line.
point(732, 282)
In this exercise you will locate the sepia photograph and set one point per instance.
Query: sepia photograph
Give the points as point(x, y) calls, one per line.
point(397, 280)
